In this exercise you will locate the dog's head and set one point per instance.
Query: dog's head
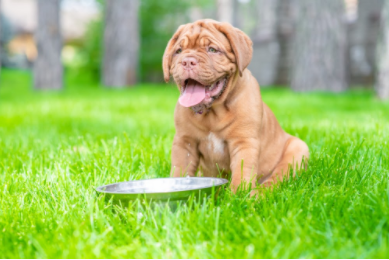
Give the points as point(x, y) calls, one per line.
point(203, 58)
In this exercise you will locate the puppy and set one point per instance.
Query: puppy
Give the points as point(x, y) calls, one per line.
point(222, 124)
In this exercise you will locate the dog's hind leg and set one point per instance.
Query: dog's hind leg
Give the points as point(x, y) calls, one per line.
point(295, 156)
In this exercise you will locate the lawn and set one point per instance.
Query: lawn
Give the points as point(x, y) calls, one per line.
point(56, 147)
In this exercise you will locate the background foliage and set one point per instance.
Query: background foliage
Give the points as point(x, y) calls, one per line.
point(158, 20)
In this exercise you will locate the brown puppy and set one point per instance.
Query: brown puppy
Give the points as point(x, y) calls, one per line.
point(222, 124)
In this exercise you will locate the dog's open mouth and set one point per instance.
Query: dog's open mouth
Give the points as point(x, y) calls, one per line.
point(198, 96)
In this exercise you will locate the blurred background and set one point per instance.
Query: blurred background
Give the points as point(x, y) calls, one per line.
point(307, 45)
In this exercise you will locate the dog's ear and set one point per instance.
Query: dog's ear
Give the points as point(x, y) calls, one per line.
point(167, 56)
point(241, 45)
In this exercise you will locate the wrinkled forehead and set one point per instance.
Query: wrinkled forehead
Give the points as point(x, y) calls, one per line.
point(201, 35)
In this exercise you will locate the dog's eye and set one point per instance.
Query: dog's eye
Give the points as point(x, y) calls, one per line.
point(212, 50)
point(178, 51)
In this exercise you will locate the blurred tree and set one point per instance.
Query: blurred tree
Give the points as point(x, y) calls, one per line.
point(286, 21)
point(121, 43)
point(319, 49)
point(225, 11)
point(48, 71)
point(382, 84)
point(363, 33)
point(265, 45)
point(195, 13)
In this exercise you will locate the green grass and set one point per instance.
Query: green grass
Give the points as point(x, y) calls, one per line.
point(56, 147)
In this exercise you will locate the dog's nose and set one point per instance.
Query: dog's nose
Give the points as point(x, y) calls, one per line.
point(189, 62)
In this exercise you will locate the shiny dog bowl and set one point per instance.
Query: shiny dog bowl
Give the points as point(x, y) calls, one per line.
point(162, 189)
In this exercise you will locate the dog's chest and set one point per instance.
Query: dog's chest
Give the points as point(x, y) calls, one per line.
point(215, 144)
point(214, 151)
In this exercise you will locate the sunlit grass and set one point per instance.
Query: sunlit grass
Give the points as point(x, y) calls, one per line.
point(56, 147)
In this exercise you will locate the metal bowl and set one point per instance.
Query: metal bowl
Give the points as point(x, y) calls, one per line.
point(162, 189)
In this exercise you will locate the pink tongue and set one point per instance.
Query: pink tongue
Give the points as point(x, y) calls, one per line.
point(193, 94)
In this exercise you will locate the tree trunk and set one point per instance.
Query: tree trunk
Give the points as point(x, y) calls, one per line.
point(48, 70)
point(265, 45)
point(195, 13)
point(286, 21)
point(319, 49)
point(224, 11)
point(382, 85)
point(362, 42)
point(121, 43)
